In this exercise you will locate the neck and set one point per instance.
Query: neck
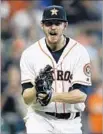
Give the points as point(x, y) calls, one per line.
point(57, 46)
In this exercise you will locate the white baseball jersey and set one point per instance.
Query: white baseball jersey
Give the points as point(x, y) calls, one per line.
point(73, 67)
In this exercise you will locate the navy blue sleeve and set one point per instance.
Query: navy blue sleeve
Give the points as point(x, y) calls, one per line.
point(83, 88)
point(26, 85)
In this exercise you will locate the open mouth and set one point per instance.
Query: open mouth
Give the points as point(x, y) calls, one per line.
point(53, 33)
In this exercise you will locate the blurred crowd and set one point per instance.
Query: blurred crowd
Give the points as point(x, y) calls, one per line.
point(20, 27)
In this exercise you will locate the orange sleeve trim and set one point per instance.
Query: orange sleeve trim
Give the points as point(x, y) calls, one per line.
point(81, 82)
point(25, 81)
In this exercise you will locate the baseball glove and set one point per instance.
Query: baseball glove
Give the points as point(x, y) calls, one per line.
point(43, 85)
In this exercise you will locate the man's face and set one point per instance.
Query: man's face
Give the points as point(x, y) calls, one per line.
point(53, 30)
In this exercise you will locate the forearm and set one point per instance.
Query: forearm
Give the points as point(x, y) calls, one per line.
point(29, 95)
point(72, 97)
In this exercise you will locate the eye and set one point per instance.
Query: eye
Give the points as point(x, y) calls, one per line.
point(57, 23)
point(48, 23)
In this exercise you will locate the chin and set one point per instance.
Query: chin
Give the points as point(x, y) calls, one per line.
point(53, 40)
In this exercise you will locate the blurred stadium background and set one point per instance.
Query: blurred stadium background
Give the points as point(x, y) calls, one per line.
point(20, 27)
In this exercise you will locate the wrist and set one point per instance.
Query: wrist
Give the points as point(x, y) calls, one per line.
point(53, 97)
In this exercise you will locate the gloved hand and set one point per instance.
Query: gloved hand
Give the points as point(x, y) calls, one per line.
point(43, 85)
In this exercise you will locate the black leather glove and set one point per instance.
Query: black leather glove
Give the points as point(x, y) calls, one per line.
point(43, 85)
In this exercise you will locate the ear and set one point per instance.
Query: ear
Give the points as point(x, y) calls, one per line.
point(65, 24)
point(41, 24)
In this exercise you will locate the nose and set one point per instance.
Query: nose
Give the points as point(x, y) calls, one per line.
point(53, 26)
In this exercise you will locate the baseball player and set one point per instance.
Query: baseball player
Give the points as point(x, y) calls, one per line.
point(55, 77)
